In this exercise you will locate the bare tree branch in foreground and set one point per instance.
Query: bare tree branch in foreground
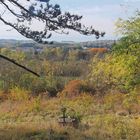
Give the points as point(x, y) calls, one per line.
point(19, 65)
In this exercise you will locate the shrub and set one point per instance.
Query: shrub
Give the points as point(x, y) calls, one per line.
point(35, 104)
point(74, 88)
point(131, 102)
point(113, 72)
point(19, 94)
point(111, 101)
point(3, 96)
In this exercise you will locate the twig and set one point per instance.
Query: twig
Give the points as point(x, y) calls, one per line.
point(19, 65)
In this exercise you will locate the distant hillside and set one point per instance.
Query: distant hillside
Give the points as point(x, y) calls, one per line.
point(98, 44)
point(25, 44)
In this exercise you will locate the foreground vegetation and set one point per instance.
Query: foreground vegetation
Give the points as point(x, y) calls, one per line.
point(98, 87)
point(106, 118)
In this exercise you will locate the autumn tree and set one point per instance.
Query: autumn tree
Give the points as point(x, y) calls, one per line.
point(130, 29)
point(120, 69)
point(129, 45)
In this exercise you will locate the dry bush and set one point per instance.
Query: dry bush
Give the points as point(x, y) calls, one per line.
point(35, 104)
point(113, 101)
point(74, 88)
point(3, 96)
point(132, 103)
point(19, 94)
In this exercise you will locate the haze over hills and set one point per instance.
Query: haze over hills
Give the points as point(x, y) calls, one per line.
point(11, 43)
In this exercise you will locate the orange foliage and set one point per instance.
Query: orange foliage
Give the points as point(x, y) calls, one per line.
point(72, 89)
point(3, 96)
point(98, 50)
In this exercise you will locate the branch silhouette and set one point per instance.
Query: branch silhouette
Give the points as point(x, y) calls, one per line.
point(19, 65)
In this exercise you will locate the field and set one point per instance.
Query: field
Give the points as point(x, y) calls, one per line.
point(99, 119)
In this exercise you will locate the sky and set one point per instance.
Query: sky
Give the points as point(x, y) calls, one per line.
point(101, 14)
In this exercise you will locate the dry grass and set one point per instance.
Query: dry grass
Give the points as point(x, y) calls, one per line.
point(36, 119)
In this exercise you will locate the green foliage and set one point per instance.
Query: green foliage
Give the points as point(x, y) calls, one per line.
point(121, 69)
point(17, 55)
point(129, 46)
point(52, 64)
point(111, 72)
point(130, 27)
point(1, 85)
point(117, 70)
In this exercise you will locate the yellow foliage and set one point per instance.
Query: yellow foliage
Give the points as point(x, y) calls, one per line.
point(19, 94)
point(35, 104)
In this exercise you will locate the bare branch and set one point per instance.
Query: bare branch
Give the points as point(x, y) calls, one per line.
point(19, 65)
point(52, 18)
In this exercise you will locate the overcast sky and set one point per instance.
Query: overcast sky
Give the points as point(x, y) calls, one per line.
point(102, 14)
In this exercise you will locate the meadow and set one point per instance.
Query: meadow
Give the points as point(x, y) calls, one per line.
point(106, 118)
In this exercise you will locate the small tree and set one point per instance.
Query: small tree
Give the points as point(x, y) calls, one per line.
point(129, 46)
point(121, 69)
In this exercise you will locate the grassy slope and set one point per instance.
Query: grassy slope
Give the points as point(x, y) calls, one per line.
point(37, 119)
